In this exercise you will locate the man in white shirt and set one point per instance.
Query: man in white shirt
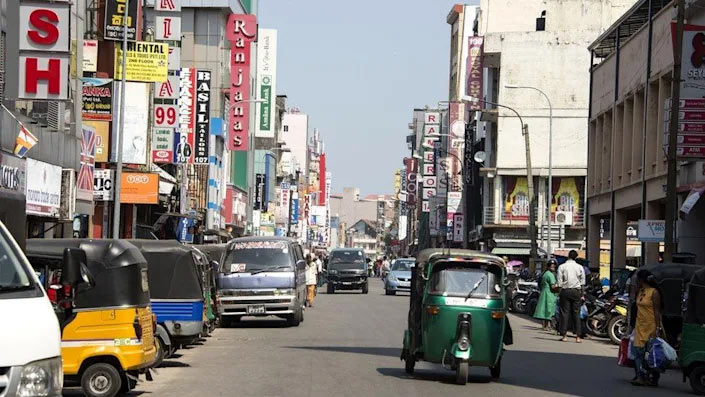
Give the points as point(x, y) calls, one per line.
point(571, 279)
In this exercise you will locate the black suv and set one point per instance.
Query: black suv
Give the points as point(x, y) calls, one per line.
point(347, 269)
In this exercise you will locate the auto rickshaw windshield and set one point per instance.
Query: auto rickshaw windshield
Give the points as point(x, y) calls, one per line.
point(461, 281)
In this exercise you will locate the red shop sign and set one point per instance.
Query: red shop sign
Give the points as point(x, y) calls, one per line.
point(241, 31)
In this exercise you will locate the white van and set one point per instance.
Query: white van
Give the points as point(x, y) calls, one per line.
point(30, 340)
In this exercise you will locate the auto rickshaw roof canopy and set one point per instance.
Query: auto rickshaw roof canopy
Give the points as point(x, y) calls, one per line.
point(173, 272)
point(115, 265)
point(433, 254)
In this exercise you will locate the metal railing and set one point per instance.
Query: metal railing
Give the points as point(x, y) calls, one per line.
point(502, 217)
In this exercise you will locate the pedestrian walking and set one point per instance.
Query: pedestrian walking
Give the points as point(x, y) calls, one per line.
point(546, 306)
point(385, 267)
point(571, 280)
point(311, 271)
point(648, 326)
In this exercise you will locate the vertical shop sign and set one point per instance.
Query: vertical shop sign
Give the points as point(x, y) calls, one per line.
point(203, 111)
point(241, 31)
point(114, 14)
point(184, 139)
point(44, 52)
point(474, 70)
point(266, 81)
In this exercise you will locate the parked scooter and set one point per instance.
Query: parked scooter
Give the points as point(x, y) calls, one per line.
point(526, 297)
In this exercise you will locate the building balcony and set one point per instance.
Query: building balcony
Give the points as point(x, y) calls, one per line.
point(499, 216)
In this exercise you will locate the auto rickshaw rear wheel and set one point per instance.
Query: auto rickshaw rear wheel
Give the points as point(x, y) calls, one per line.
point(697, 379)
point(161, 352)
point(409, 363)
point(496, 371)
point(461, 373)
point(101, 380)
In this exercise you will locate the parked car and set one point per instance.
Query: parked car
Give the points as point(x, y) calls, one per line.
point(34, 347)
point(399, 277)
point(347, 270)
point(262, 276)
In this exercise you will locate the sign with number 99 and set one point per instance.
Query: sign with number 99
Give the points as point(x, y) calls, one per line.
point(166, 116)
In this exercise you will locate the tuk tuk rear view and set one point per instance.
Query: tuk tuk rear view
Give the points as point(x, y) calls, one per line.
point(457, 313)
point(100, 293)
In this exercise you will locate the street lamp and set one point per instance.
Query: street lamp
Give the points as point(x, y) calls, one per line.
point(529, 177)
point(550, 155)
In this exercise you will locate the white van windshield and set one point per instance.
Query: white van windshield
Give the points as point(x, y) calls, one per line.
point(13, 275)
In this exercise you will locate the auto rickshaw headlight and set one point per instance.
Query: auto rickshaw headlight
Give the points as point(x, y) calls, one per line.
point(41, 378)
point(498, 315)
point(463, 344)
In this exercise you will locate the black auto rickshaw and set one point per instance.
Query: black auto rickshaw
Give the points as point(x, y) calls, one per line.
point(107, 327)
point(177, 293)
point(214, 254)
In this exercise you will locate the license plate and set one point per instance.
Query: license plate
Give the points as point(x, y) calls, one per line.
point(404, 284)
point(257, 309)
point(347, 283)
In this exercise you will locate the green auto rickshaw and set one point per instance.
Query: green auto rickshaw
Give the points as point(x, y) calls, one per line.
point(457, 312)
point(691, 354)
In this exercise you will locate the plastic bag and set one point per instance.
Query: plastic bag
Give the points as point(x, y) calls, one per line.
point(623, 357)
point(583, 312)
point(630, 351)
point(660, 354)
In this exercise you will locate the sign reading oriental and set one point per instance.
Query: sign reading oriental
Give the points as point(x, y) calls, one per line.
point(241, 31)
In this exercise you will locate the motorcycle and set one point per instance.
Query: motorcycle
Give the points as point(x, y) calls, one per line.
point(618, 326)
point(526, 297)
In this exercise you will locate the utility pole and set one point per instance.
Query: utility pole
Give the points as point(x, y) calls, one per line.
point(672, 176)
point(532, 200)
point(118, 167)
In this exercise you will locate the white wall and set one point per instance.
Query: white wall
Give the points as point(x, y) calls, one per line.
point(296, 137)
point(557, 62)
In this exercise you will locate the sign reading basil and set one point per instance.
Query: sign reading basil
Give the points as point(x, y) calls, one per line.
point(203, 104)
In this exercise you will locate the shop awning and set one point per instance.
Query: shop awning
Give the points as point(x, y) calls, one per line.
point(511, 251)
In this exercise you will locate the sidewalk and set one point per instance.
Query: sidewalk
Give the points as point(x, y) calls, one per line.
point(586, 369)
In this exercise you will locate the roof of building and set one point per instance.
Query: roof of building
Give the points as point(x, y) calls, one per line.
point(626, 26)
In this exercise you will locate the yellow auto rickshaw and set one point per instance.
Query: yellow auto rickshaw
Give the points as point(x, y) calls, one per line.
point(100, 292)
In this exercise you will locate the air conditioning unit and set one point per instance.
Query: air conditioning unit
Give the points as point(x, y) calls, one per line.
point(564, 218)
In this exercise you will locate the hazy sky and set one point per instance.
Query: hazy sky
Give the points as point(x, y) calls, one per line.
point(358, 68)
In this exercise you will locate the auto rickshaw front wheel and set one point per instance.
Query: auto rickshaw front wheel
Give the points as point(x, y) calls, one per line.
point(496, 371)
point(409, 363)
point(697, 379)
point(461, 373)
point(101, 380)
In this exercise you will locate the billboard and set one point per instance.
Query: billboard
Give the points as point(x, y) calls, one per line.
point(43, 188)
point(266, 82)
point(134, 136)
point(97, 99)
point(44, 52)
point(162, 145)
point(145, 61)
point(103, 185)
point(139, 188)
point(84, 180)
point(241, 31)
point(114, 25)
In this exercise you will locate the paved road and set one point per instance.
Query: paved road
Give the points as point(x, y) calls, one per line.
point(349, 345)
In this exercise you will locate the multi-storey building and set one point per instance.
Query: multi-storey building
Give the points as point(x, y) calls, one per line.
point(629, 110)
point(533, 45)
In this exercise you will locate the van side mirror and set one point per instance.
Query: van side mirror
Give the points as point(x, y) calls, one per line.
point(75, 270)
point(215, 266)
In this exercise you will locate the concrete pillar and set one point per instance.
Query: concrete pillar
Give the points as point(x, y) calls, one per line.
point(593, 241)
point(653, 211)
point(620, 239)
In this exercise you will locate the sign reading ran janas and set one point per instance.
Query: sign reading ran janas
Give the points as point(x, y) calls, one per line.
point(241, 31)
